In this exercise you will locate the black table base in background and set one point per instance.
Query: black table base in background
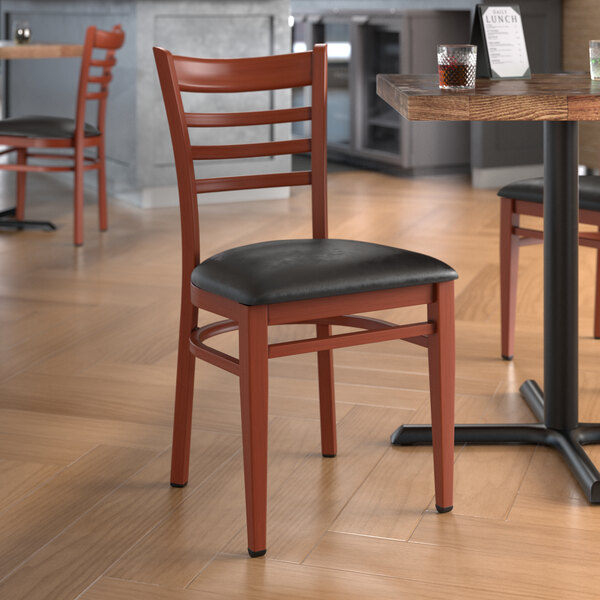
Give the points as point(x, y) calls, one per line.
point(7, 223)
point(557, 407)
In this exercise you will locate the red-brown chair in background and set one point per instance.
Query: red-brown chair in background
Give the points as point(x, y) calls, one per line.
point(320, 281)
point(25, 135)
point(525, 197)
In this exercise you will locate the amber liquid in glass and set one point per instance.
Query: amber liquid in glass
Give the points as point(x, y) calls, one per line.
point(455, 75)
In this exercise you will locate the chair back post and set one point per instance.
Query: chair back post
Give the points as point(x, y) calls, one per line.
point(179, 74)
point(86, 57)
point(318, 155)
point(184, 164)
point(110, 41)
point(113, 43)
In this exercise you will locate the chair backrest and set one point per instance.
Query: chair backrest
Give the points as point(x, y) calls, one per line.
point(96, 73)
point(179, 74)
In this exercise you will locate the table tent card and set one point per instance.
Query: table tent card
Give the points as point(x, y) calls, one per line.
point(498, 35)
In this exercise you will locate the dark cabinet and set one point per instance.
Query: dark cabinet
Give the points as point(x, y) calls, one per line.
point(363, 129)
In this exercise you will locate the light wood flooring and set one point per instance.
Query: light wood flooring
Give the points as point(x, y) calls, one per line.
point(87, 368)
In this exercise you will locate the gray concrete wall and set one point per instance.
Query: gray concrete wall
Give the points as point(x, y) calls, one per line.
point(139, 155)
point(211, 29)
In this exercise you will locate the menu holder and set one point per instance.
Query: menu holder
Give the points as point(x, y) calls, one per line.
point(501, 49)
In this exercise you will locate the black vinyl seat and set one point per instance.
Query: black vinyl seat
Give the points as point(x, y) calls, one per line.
point(36, 126)
point(532, 190)
point(288, 270)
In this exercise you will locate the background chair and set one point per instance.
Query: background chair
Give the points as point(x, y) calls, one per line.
point(316, 280)
point(525, 197)
point(24, 134)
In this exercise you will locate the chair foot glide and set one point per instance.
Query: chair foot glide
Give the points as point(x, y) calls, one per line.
point(179, 485)
point(256, 554)
point(443, 509)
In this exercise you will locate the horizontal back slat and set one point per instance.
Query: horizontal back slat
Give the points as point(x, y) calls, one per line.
point(96, 96)
point(246, 182)
point(243, 74)
point(108, 62)
point(264, 117)
point(249, 150)
point(102, 80)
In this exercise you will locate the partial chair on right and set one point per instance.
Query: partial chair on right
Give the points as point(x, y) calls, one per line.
point(525, 197)
point(317, 281)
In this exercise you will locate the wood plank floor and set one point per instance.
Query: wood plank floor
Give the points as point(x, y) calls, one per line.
point(87, 367)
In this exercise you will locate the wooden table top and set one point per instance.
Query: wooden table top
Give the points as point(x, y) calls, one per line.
point(9, 49)
point(549, 97)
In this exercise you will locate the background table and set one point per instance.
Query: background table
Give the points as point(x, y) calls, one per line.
point(9, 49)
point(560, 101)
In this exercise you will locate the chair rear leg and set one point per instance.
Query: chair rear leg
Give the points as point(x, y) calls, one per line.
point(254, 380)
point(326, 396)
point(102, 209)
point(509, 265)
point(78, 198)
point(21, 184)
point(597, 305)
point(441, 352)
point(184, 396)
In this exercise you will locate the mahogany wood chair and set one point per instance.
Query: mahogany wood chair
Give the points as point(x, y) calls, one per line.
point(24, 135)
point(525, 197)
point(318, 280)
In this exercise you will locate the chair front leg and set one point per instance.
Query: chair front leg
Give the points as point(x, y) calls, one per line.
point(254, 381)
point(21, 184)
point(509, 265)
point(441, 352)
point(326, 396)
point(184, 394)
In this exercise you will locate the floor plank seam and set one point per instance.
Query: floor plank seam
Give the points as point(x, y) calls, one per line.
point(79, 518)
point(348, 500)
point(169, 513)
point(199, 573)
point(413, 579)
point(512, 504)
point(72, 343)
point(34, 489)
point(46, 481)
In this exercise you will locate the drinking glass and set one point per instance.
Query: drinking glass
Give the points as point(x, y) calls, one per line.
point(457, 64)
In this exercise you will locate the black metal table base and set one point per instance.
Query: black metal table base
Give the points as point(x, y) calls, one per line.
point(568, 442)
point(557, 408)
point(8, 223)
